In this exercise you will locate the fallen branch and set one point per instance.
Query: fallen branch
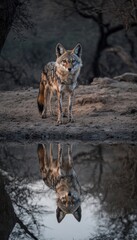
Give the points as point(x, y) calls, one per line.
point(127, 77)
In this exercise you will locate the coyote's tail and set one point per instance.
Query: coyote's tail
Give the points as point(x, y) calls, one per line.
point(40, 98)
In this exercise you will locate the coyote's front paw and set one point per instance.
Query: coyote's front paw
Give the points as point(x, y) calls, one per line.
point(70, 119)
point(59, 122)
point(44, 115)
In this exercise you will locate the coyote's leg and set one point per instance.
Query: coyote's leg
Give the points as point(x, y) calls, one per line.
point(70, 154)
point(60, 114)
point(51, 154)
point(60, 154)
point(50, 103)
point(46, 95)
point(43, 160)
point(70, 102)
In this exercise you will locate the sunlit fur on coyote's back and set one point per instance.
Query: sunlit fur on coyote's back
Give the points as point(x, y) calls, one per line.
point(60, 77)
point(58, 173)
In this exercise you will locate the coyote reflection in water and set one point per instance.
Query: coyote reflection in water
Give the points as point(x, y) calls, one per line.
point(60, 175)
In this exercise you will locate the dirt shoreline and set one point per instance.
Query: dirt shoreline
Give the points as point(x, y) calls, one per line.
point(104, 111)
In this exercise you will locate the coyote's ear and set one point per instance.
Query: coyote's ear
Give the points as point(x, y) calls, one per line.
point(59, 214)
point(60, 49)
point(78, 50)
point(77, 214)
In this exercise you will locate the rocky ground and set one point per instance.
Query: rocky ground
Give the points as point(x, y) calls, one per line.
point(106, 111)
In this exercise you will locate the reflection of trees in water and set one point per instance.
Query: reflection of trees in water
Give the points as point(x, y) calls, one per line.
point(92, 161)
point(20, 196)
point(107, 172)
point(114, 183)
point(122, 184)
point(26, 211)
point(121, 203)
point(122, 228)
point(7, 216)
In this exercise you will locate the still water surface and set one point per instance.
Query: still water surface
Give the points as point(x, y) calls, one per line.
point(106, 176)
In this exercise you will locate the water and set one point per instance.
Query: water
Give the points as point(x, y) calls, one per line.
point(106, 174)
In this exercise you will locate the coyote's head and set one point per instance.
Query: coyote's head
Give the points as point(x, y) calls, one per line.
point(68, 202)
point(69, 61)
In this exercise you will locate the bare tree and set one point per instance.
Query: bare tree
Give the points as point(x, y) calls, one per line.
point(13, 13)
point(17, 206)
point(110, 17)
point(122, 11)
point(7, 14)
point(7, 215)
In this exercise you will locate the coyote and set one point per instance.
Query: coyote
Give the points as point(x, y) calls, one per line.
point(60, 77)
point(60, 175)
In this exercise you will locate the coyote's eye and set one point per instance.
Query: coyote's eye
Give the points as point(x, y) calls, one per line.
point(73, 61)
point(63, 200)
point(64, 61)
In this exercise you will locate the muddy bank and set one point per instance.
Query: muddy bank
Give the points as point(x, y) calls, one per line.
point(103, 111)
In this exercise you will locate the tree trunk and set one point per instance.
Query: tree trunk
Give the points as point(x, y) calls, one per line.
point(7, 215)
point(7, 13)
